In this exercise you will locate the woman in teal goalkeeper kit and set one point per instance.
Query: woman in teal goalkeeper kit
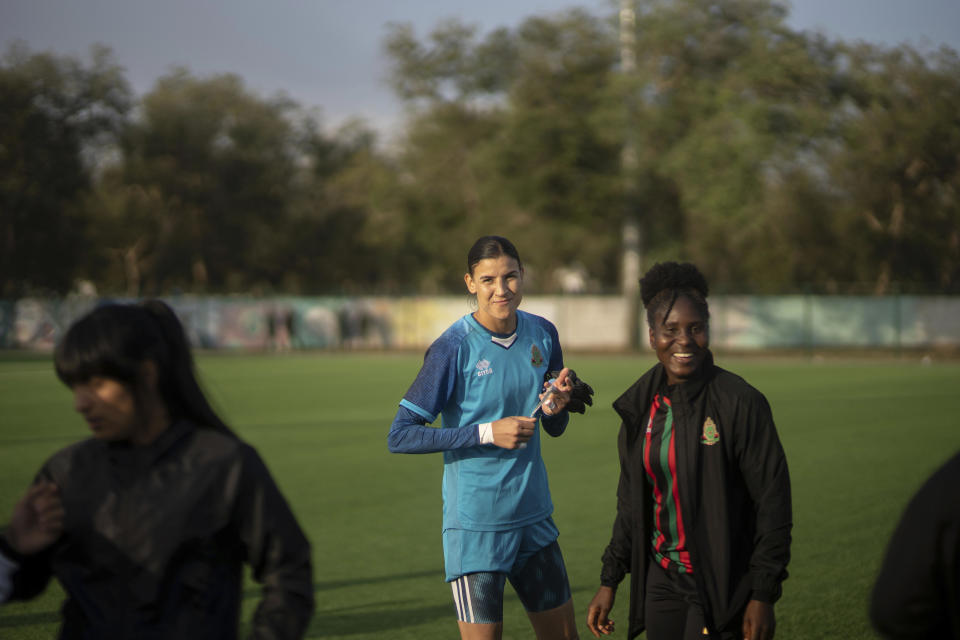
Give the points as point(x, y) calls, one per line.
point(485, 377)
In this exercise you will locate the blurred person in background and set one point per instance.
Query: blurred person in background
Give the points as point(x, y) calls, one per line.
point(484, 375)
point(917, 592)
point(703, 504)
point(148, 523)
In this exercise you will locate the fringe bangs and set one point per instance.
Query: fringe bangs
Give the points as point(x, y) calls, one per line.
point(97, 345)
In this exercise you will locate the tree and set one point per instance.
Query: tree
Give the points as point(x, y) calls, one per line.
point(341, 234)
point(506, 137)
point(446, 191)
point(558, 155)
point(213, 165)
point(730, 112)
point(898, 172)
point(57, 118)
point(219, 190)
point(733, 105)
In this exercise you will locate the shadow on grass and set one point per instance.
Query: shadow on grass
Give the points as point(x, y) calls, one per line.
point(26, 619)
point(379, 617)
point(256, 592)
point(382, 617)
point(375, 618)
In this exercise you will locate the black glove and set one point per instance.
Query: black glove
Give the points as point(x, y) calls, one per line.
point(580, 396)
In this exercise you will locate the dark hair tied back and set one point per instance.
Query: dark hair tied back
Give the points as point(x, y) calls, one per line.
point(665, 281)
point(491, 247)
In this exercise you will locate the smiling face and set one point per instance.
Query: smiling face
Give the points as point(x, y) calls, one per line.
point(498, 285)
point(681, 340)
point(108, 406)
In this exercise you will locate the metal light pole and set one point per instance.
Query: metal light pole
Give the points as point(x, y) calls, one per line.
point(631, 233)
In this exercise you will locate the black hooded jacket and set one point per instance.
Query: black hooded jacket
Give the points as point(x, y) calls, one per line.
point(734, 491)
point(155, 539)
point(917, 592)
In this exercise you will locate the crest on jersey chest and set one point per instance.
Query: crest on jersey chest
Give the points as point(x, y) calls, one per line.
point(536, 358)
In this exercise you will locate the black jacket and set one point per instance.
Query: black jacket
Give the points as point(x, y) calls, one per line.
point(734, 492)
point(155, 539)
point(917, 593)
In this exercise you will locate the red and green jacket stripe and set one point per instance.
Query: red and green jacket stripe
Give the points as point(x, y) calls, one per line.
point(668, 538)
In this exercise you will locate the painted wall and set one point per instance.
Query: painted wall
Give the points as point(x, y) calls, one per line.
point(584, 322)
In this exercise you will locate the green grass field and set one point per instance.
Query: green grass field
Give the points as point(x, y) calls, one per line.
point(860, 438)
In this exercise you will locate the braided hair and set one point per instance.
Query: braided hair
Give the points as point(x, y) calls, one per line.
point(665, 282)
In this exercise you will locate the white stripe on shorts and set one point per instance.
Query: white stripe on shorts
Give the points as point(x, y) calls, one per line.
point(462, 599)
point(469, 599)
point(455, 586)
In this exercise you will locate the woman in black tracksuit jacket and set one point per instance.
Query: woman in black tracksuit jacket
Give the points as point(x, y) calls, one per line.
point(148, 523)
point(703, 504)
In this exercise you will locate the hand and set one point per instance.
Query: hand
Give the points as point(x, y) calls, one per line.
point(513, 432)
point(581, 393)
point(600, 607)
point(558, 400)
point(758, 621)
point(37, 520)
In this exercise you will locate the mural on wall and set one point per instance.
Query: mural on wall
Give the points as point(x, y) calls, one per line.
point(288, 324)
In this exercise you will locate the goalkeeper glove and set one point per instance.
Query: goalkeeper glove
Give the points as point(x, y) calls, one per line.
point(580, 396)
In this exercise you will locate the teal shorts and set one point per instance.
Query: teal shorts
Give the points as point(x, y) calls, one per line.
point(494, 551)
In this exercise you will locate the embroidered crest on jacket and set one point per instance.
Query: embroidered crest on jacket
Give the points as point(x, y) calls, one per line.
point(710, 434)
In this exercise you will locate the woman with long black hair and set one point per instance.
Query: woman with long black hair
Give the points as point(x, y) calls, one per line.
point(148, 523)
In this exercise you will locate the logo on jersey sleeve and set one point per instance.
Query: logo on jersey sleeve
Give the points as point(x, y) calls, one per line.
point(536, 359)
point(483, 368)
point(710, 434)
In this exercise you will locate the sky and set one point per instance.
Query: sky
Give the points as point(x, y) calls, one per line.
point(328, 54)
